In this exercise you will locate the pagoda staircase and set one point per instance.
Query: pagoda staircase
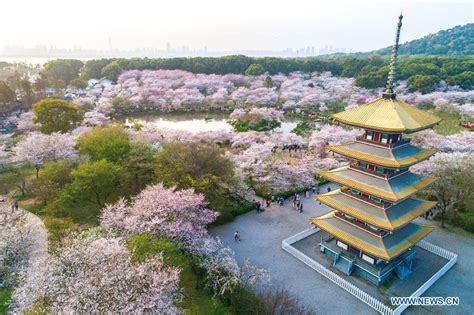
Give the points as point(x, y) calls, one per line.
point(343, 264)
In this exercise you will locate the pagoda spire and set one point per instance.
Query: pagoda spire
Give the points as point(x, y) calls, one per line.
point(389, 87)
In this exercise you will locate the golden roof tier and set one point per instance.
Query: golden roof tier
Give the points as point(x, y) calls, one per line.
point(397, 157)
point(386, 248)
point(391, 218)
point(388, 114)
point(392, 189)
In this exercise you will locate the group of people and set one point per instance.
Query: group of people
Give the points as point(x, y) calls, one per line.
point(297, 204)
point(290, 148)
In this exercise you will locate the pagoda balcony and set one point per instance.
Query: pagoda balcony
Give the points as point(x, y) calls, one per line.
point(362, 225)
point(372, 172)
point(387, 145)
point(383, 204)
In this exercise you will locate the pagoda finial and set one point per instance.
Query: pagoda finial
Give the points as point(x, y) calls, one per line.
point(389, 88)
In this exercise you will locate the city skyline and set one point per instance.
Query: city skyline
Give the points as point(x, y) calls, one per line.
point(262, 26)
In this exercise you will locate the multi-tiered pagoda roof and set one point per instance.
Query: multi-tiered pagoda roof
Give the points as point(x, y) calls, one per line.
point(388, 114)
point(372, 212)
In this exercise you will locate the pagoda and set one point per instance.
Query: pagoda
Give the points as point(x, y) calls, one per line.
point(369, 230)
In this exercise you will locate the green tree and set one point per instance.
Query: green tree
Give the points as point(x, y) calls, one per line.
point(255, 69)
point(465, 80)
point(78, 83)
point(112, 71)
point(57, 115)
point(110, 143)
point(423, 83)
point(93, 68)
point(62, 70)
point(27, 94)
point(7, 95)
point(197, 165)
point(139, 167)
point(268, 82)
point(55, 176)
point(96, 182)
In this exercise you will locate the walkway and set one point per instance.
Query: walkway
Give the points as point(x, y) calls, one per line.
point(262, 234)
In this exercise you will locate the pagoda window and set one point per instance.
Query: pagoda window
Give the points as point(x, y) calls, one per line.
point(375, 199)
point(342, 245)
point(349, 217)
point(372, 227)
point(376, 136)
point(384, 138)
point(355, 191)
point(370, 135)
point(379, 169)
point(368, 259)
point(362, 164)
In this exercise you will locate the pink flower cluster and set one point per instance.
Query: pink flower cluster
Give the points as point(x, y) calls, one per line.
point(178, 214)
point(37, 148)
point(96, 274)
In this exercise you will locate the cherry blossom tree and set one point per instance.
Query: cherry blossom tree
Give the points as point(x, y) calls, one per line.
point(178, 214)
point(460, 142)
point(94, 273)
point(15, 245)
point(37, 148)
point(25, 122)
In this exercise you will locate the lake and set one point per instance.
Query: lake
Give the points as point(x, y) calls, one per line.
point(196, 122)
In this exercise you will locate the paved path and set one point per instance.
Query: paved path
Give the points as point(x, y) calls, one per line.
point(262, 234)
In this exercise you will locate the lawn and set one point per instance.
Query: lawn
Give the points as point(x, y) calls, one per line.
point(10, 178)
point(450, 123)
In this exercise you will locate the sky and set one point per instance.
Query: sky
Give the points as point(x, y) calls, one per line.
point(360, 25)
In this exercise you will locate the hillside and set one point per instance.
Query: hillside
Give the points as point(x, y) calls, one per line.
point(458, 40)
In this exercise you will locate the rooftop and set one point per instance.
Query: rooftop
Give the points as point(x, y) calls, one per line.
point(386, 248)
point(392, 189)
point(389, 219)
point(388, 114)
point(398, 157)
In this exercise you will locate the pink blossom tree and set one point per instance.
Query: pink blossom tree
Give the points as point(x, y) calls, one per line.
point(178, 214)
point(93, 273)
point(37, 148)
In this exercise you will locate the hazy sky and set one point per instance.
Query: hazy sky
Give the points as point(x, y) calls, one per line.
point(224, 25)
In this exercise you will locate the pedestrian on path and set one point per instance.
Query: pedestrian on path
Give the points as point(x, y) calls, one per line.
point(300, 207)
point(237, 236)
point(16, 205)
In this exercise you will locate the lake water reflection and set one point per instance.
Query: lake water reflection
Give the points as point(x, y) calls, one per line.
point(196, 122)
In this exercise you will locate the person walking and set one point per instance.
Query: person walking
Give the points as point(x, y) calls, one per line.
point(258, 205)
point(237, 236)
point(300, 207)
point(16, 205)
point(329, 189)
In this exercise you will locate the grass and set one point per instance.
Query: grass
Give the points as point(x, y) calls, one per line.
point(10, 178)
point(197, 300)
point(450, 123)
point(5, 299)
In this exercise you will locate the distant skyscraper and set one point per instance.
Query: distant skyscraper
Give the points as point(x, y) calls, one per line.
point(110, 44)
